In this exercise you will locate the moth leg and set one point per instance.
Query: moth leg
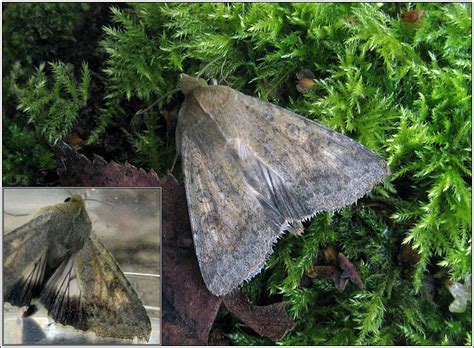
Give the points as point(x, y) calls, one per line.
point(174, 162)
point(32, 309)
point(178, 147)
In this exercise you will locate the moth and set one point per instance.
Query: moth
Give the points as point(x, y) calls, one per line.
point(57, 259)
point(254, 170)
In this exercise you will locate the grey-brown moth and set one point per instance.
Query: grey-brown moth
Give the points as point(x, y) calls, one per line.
point(254, 170)
point(56, 258)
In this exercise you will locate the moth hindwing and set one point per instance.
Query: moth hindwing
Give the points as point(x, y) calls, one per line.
point(253, 170)
point(56, 258)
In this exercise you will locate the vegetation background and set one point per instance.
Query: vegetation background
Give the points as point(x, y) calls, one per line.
point(101, 76)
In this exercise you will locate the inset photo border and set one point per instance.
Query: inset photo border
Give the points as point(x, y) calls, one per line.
point(81, 266)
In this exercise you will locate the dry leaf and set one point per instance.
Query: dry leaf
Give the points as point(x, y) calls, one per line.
point(270, 321)
point(330, 253)
point(340, 274)
point(408, 256)
point(349, 271)
point(74, 139)
point(78, 170)
point(329, 272)
point(305, 80)
point(189, 309)
point(413, 16)
point(171, 118)
point(218, 338)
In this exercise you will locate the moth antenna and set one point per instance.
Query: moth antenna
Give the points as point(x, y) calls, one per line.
point(174, 162)
point(142, 111)
point(200, 72)
point(11, 214)
point(142, 274)
point(223, 79)
point(111, 205)
point(97, 200)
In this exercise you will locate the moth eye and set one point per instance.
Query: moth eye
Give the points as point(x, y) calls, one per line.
point(67, 199)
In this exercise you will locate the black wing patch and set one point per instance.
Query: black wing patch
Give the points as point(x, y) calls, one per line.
point(29, 285)
point(61, 296)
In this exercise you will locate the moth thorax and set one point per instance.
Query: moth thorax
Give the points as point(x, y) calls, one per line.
point(68, 235)
point(81, 230)
point(188, 83)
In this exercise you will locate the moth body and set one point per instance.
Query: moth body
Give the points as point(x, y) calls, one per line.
point(69, 229)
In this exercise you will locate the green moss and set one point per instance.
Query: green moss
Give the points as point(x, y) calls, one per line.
point(22, 156)
point(41, 101)
point(53, 105)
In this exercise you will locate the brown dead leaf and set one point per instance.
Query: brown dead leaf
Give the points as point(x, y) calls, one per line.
point(74, 139)
point(305, 80)
point(329, 272)
point(330, 254)
point(340, 270)
point(349, 271)
point(171, 118)
point(78, 170)
point(413, 17)
point(270, 321)
point(218, 338)
point(189, 309)
point(408, 256)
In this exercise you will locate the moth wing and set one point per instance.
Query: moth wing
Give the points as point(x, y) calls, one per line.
point(319, 169)
point(233, 232)
point(254, 169)
point(301, 165)
point(25, 258)
point(90, 292)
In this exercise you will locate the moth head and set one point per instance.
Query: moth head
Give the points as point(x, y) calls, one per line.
point(188, 83)
point(75, 202)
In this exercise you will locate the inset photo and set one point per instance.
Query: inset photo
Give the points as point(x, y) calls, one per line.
point(81, 265)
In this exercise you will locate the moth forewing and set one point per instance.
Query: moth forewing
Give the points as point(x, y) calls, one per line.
point(105, 301)
point(33, 251)
point(21, 248)
point(253, 170)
